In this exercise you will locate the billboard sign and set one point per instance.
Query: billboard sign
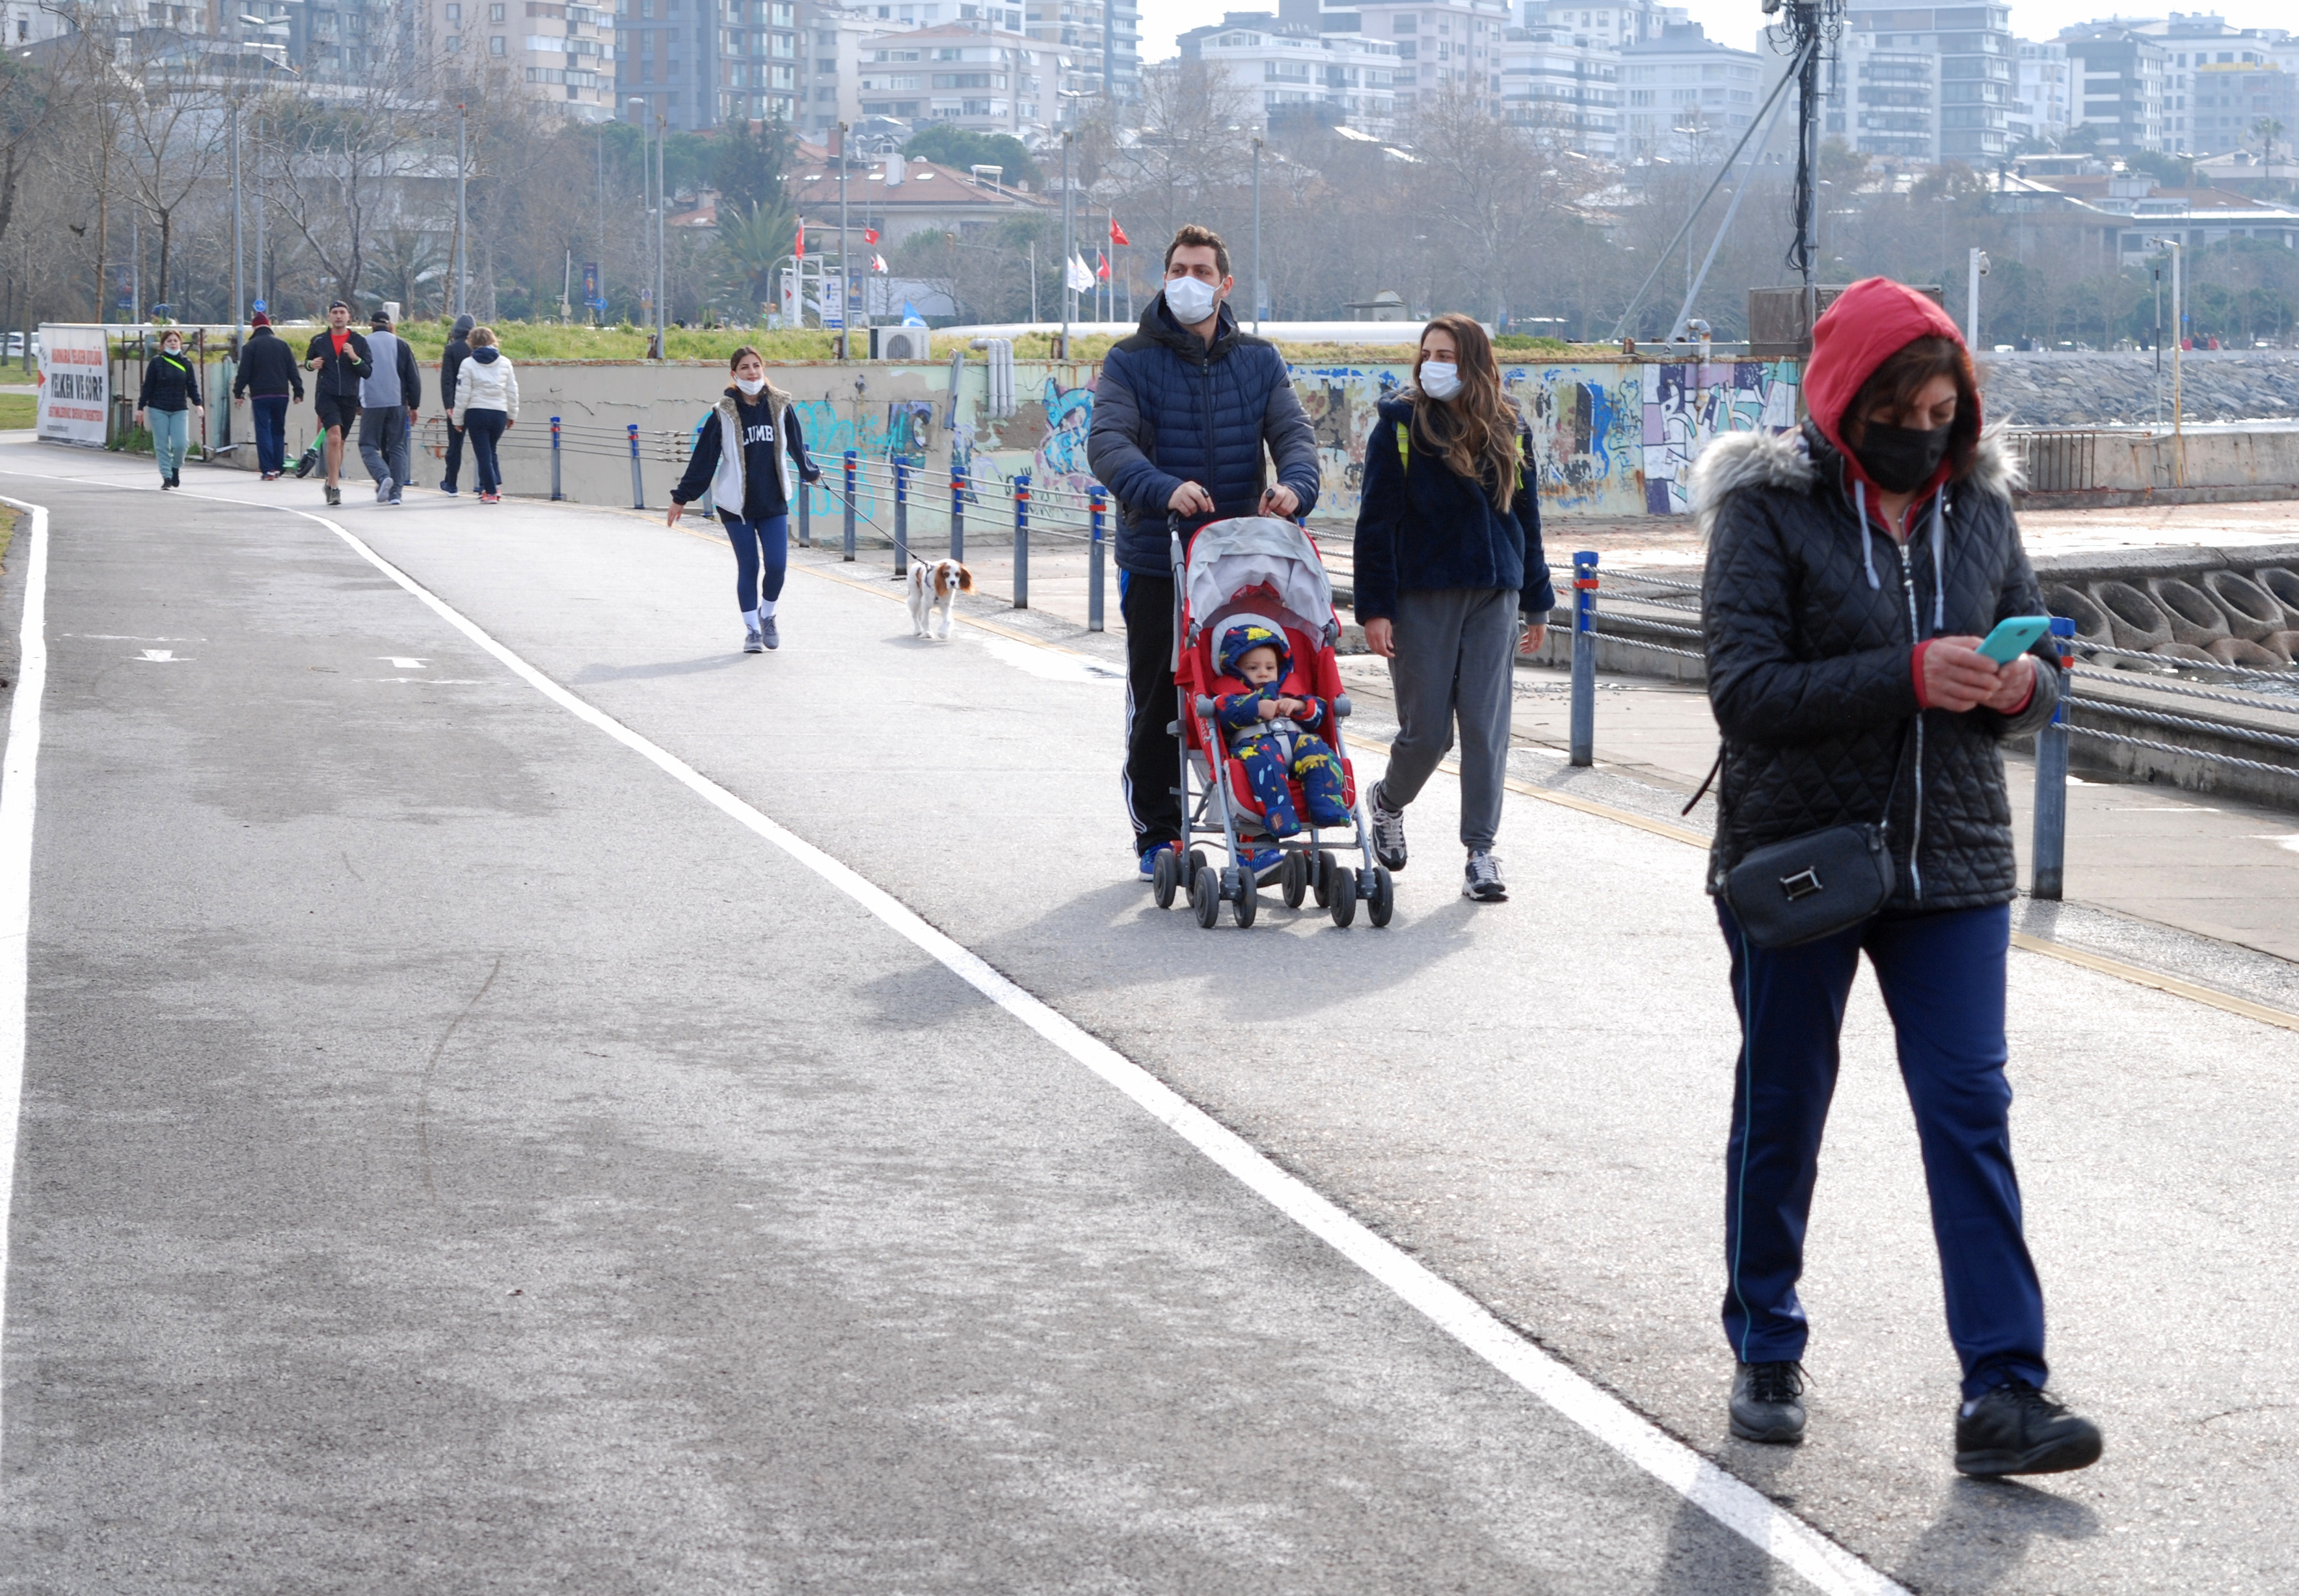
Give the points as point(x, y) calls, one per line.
point(75, 385)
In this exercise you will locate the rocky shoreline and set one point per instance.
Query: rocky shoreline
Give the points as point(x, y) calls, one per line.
point(2120, 388)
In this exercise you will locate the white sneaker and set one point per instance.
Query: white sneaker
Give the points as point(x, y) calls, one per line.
point(383, 490)
point(1480, 879)
point(1387, 832)
point(752, 643)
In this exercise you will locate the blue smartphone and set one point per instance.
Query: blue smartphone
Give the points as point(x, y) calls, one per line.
point(2013, 636)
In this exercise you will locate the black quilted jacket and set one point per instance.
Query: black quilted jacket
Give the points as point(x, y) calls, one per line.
point(1809, 665)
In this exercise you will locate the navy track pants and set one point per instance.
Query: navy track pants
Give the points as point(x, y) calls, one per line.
point(1942, 979)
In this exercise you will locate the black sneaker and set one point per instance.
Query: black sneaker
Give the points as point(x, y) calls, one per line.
point(334, 495)
point(2020, 1428)
point(1480, 879)
point(1387, 832)
point(1768, 1402)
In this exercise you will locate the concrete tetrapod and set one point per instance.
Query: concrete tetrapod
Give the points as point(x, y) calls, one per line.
point(2073, 604)
point(2284, 645)
point(2196, 616)
point(2282, 585)
point(2253, 613)
point(2134, 621)
point(2189, 652)
point(2246, 655)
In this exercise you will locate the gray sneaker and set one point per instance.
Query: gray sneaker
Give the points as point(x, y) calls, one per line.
point(767, 634)
point(1387, 832)
point(751, 642)
point(1768, 1402)
point(383, 490)
point(1481, 878)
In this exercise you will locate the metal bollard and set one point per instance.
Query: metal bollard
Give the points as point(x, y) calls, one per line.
point(638, 487)
point(1022, 539)
point(1584, 657)
point(956, 515)
point(555, 493)
point(1099, 499)
point(805, 516)
point(2051, 779)
point(902, 515)
point(849, 505)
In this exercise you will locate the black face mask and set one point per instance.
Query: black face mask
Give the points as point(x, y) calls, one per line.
point(1900, 459)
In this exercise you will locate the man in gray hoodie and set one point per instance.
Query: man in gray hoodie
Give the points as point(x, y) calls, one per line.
point(388, 402)
point(458, 349)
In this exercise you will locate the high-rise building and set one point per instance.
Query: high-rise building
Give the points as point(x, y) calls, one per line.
point(1102, 38)
point(2118, 79)
point(1564, 81)
point(1294, 69)
point(1441, 45)
point(2039, 99)
point(698, 63)
point(1686, 97)
point(1931, 84)
point(564, 54)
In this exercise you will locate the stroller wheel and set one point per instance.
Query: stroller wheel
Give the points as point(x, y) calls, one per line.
point(1164, 877)
point(1247, 901)
point(1381, 903)
point(1205, 896)
point(1342, 886)
point(1322, 872)
point(1197, 862)
point(1293, 884)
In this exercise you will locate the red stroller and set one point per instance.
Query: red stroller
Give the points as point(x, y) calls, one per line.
point(1258, 566)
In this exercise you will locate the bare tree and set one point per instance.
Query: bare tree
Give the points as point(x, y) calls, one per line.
point(341, 170)
point(1490, 188)
point(171, 128)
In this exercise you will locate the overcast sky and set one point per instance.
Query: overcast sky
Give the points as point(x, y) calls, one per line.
point(1733, 22)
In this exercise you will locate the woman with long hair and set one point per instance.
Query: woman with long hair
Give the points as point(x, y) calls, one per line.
point(750, 455)
point(1854, 567)
point(487, 407)
point(1451, 582)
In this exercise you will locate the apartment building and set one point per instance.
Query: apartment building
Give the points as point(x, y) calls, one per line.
point(1617, 24)
point(698, 63)
point(1567, 82)
point(2118, 82)
point(1101, 39)
point(564, 54)
point(984, 79)
point(1292, 68)
point(1930, 85)
point(1684, 96)
point(2040, 95)
point(1449, 46)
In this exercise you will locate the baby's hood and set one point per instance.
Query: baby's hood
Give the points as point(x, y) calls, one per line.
point(1243, 638)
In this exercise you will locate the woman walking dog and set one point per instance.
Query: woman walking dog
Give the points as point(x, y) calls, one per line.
point(1852, 567)
point(745, 461)
point(1450, 583)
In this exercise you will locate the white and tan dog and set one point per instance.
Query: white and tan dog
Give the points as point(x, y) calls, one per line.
point(932, 587)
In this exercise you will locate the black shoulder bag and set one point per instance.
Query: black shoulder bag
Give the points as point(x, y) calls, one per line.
point(1820, 883)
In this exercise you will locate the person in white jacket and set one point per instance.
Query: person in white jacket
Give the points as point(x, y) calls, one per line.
point(486, 406)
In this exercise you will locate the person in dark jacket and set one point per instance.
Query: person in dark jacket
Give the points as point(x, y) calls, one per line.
point(1182, 416)
point(169, 399)
point(1854, 567)
point(269, 379)
point(389, 399)
point(458, 351)
point(340, 358)
point(1451, 583)
point(746, 456)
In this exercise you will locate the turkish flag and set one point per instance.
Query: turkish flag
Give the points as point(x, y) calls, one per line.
point(869, 234)
point(801, 250)
point(1101, 265)
point(1117, 233)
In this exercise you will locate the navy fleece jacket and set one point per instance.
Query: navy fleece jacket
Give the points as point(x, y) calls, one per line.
point(1421, 525)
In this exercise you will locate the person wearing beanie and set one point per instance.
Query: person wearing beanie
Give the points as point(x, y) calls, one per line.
point(268, 381)
point(1856, 564)
point(458, 349)
point(389, 398)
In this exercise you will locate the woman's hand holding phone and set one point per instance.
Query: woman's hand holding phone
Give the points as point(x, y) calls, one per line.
point(1957, 677)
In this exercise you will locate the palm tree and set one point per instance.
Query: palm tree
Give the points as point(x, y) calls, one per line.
point(750, 244)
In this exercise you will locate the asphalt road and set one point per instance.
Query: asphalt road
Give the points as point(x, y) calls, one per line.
point(456, 1156)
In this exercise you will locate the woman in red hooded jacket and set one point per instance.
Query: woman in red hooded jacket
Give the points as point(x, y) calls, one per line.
point(1854, 567)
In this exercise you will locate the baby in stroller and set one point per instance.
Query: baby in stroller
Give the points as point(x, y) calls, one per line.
point(1271, 733)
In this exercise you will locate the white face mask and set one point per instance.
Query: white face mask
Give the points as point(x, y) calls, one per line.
point(750, 386)
point(1439, 379)
point(1189, 299)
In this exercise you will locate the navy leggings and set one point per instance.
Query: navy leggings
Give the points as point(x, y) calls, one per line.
point(761, 557)
point(1942, 977)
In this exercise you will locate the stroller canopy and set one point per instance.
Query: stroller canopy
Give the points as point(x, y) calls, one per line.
point(1227, 556)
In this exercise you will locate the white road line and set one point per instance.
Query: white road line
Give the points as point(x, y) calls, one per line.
point(19, 780)
point(1736, 1505)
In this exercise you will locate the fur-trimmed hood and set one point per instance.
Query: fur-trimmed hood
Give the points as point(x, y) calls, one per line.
point(1784, 459)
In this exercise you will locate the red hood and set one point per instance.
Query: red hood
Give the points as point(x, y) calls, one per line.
point(1870, 322)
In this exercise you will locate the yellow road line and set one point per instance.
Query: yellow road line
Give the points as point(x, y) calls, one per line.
point(2139, 975)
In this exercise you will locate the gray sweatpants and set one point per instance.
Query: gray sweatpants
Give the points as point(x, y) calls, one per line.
point(383, 443)
point(1455, 653)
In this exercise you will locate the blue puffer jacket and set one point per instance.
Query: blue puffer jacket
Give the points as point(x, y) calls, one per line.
point(1421, 525)
point(1168, 410)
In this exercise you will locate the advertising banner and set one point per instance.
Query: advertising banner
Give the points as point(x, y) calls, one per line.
point(75, 385)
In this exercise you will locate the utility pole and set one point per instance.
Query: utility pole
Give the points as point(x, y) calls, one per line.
point(238, 263)
point(600, 220)
point(1979, 269)
point(1810, 25)
point(661, 205)
point(1068, 293)
point(1257, 235)
point(845, 310)
point(462, 256)
point(637, 108)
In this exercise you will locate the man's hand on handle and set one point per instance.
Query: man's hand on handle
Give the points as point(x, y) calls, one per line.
point(1190, 500)
point(1281, 501)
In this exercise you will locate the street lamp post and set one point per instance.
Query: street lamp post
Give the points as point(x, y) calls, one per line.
point(462, 254)
point(238, 264)
point(1068, 293)
point(637, 108)
point(1978, 269)
point(845, 281)
point(2179, 339)
point(661, 205)
point(1256, 236)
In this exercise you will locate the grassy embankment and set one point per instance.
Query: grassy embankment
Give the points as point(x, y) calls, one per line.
point(17, 410)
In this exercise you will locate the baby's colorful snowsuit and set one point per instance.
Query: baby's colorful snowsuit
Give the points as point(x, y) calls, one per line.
point(1268, 748)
